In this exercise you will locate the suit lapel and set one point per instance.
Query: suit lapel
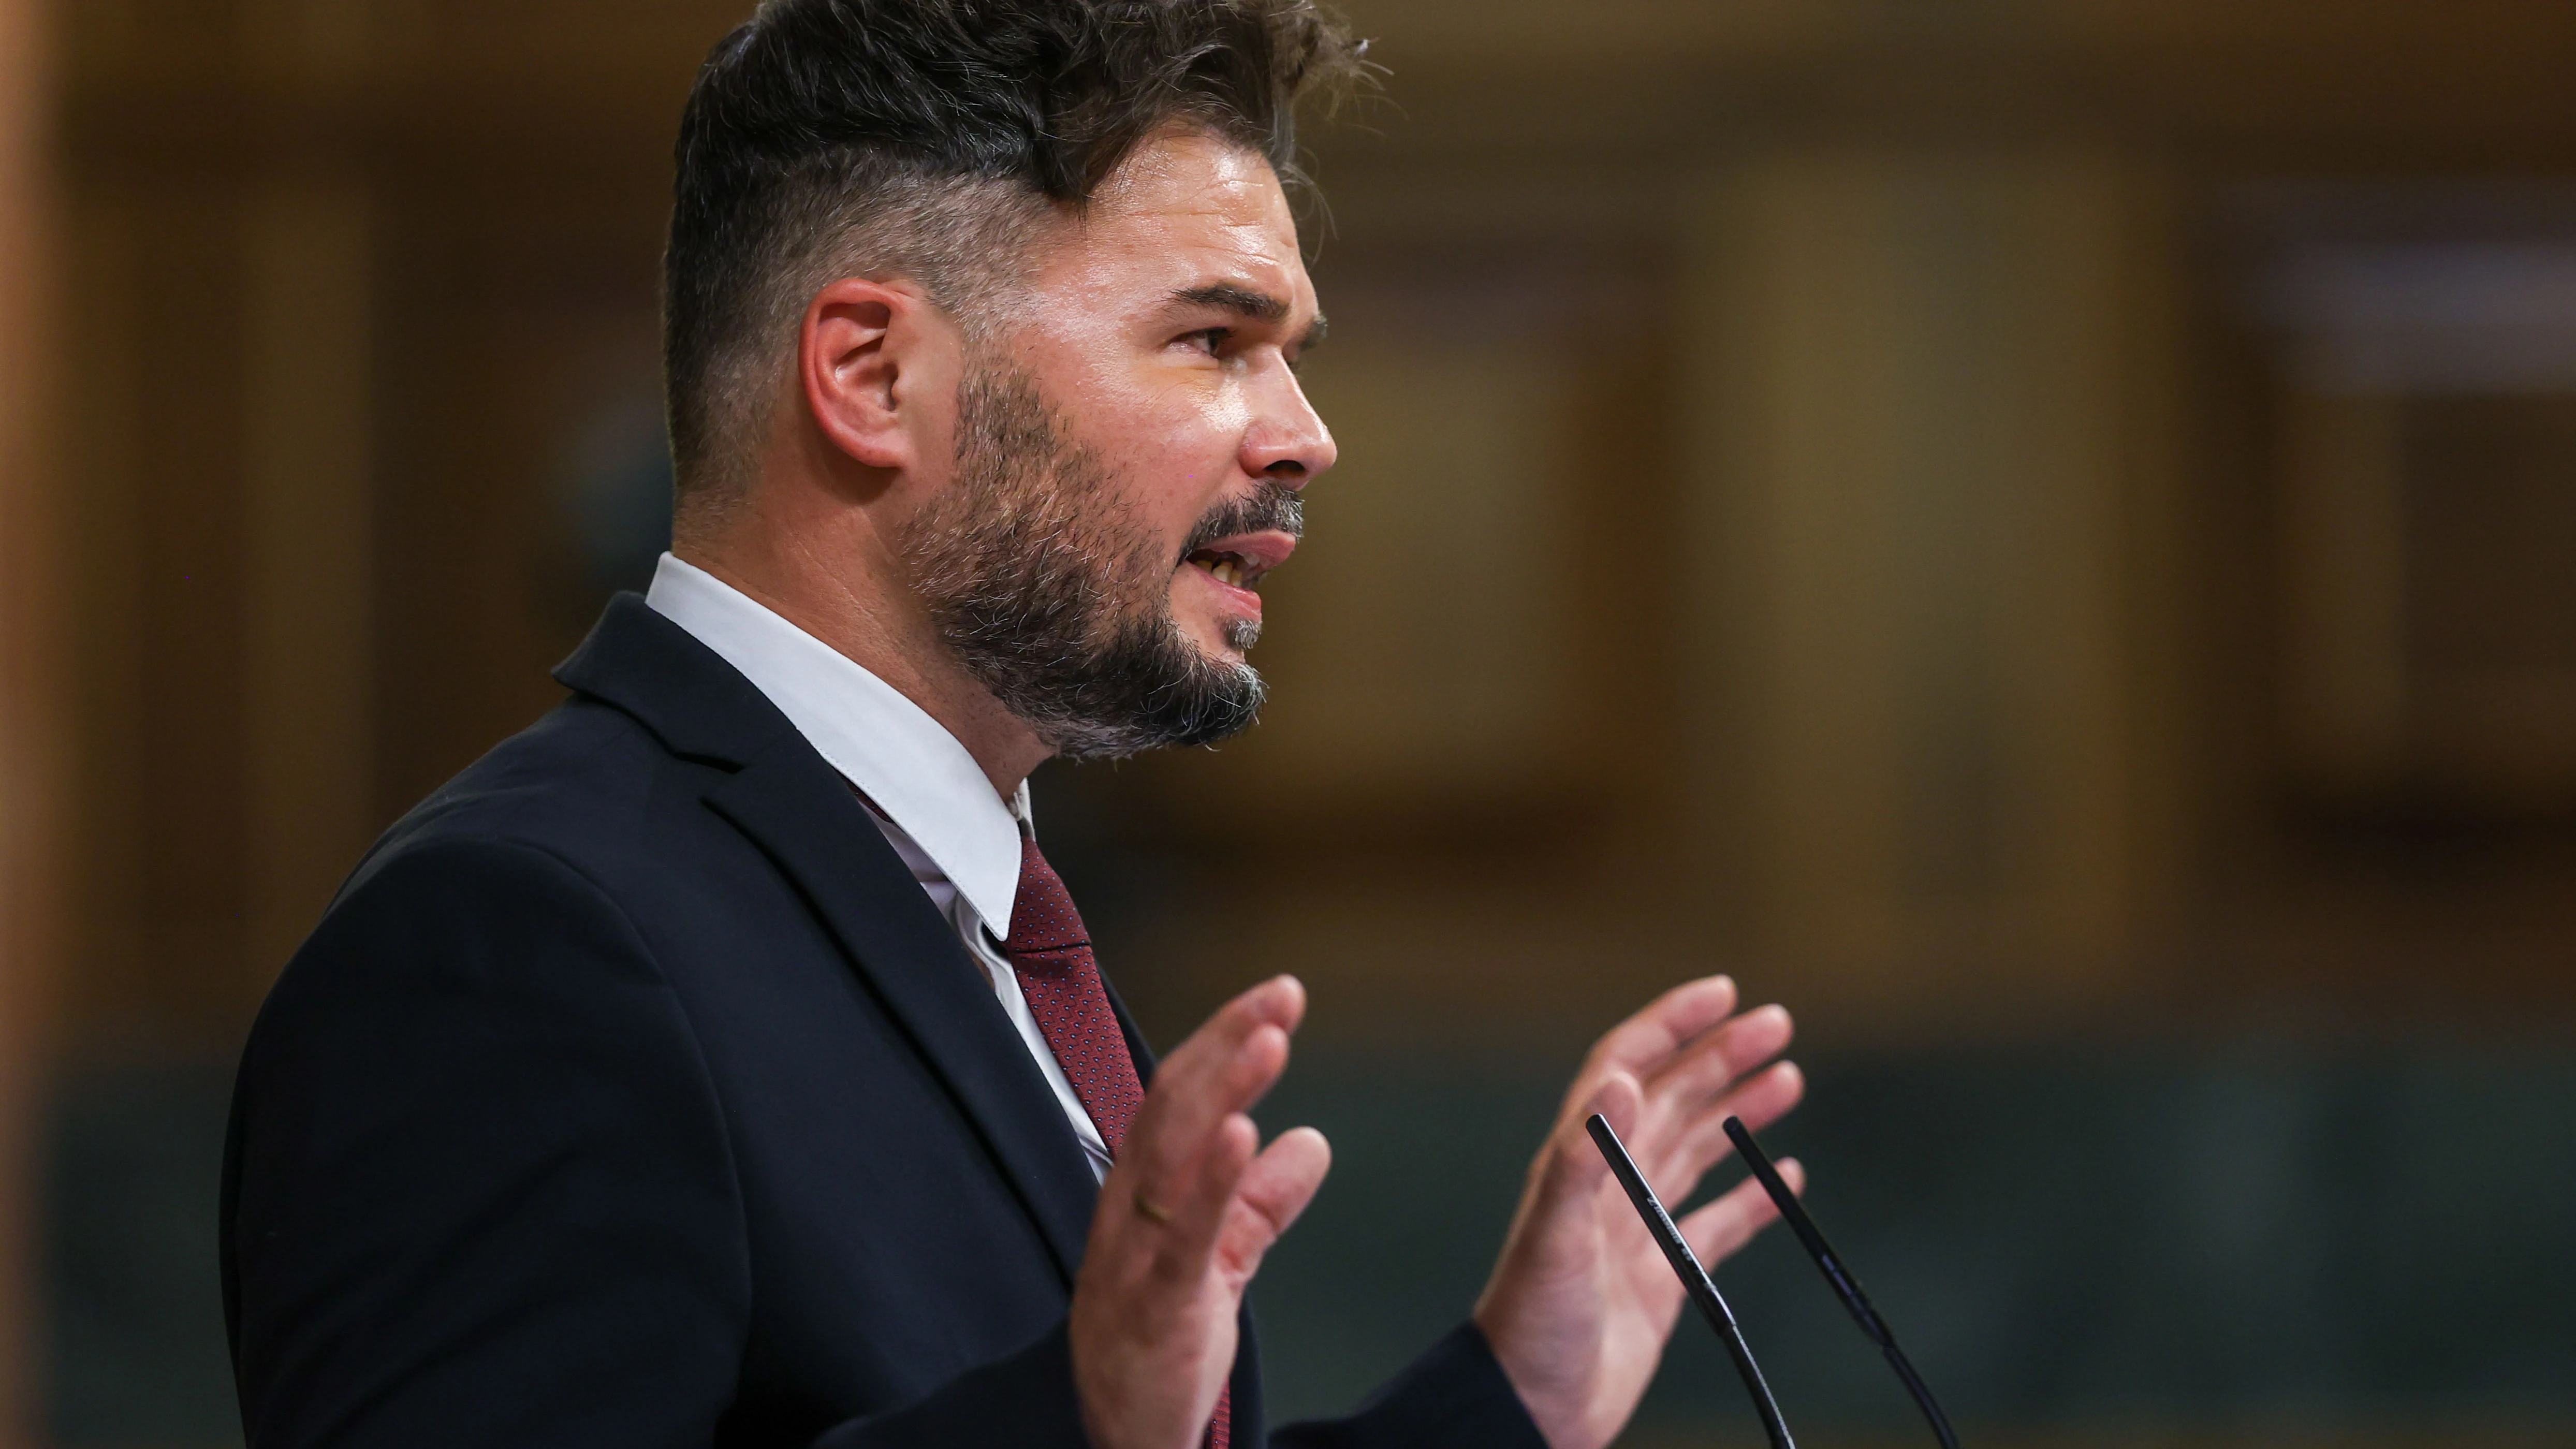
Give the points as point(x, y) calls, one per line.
point(791, 803)
point(796, 809)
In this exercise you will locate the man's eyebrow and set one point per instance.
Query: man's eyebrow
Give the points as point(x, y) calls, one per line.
point(1227, 297)
point(1245, 302)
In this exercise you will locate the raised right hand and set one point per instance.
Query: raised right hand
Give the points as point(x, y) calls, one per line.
point(1185, 1215)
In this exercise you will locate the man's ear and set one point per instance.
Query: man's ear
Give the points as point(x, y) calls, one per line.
point(857, 361)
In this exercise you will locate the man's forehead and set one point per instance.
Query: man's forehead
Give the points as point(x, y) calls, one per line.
point(1177, 169)
point(1188, 213)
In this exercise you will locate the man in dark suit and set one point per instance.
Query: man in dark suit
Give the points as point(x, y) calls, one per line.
point(718, 1062)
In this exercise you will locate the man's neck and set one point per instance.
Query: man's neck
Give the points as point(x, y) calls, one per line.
point(837, 589)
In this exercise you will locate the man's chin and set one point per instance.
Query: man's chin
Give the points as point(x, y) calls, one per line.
point(1179, 717)
point(1225, 657)
point(1224, 641)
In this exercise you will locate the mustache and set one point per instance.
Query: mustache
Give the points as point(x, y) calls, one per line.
point(1274, 505)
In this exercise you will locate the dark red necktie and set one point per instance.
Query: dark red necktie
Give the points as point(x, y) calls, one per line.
point(1052, 954)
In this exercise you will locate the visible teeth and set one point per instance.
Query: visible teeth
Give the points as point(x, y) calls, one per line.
point(1226, 568)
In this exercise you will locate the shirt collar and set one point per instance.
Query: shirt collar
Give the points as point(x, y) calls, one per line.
point(907, 764)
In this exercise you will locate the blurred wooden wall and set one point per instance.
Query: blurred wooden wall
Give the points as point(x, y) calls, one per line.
point(31, 720)
point(341, 270)
point(1811, 506)
point(1807, 504)
point(1936, 472)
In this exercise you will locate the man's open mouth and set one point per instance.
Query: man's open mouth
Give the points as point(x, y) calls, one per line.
point(1229, 568)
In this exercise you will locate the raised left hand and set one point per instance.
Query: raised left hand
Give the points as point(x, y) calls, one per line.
point(1582, 1302)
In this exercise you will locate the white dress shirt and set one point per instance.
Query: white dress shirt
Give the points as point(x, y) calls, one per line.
point(924, 790)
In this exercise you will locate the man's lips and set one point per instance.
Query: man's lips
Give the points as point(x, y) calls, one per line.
point(1232, 566)
point(1239, 560)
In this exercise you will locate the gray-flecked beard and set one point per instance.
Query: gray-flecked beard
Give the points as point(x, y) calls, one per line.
point(1037, 576)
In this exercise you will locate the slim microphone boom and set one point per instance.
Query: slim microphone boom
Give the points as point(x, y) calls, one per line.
point(1695, 1279)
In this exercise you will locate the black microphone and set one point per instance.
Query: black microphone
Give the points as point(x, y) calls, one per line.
point(1695, 1279)
point(1845, 1286)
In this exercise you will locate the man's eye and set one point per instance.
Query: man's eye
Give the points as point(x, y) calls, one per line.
point(1211, 340)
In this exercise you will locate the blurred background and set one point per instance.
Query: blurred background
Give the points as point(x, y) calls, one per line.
point(2039, 533)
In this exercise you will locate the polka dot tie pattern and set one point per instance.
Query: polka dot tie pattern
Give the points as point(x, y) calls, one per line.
point(1051, 952)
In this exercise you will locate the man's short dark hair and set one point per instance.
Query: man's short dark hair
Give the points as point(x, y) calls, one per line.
point(929, 139)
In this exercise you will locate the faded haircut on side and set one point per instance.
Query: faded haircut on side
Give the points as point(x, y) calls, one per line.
point(931, 140)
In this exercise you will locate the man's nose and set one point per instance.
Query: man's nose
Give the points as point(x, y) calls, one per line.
point(1288, 441)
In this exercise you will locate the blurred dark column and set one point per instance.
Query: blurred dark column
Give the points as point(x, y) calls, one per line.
point(30, 693)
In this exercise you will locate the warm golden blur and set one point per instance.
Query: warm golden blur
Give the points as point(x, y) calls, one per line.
point(2042, 535)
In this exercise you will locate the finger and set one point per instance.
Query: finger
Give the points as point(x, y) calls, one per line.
point(1194, 1205)
point(1675, 1153)
point(1643, 1041)
point(1164, 1153)
point(1707, 1065)
point(1760, 1099)
point(1273, 1191)
point(1222, 1069)
point(1717, 1230)
point(1279, 1001)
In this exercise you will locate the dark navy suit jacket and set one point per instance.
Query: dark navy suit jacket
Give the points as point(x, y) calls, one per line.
point(632, 1094)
